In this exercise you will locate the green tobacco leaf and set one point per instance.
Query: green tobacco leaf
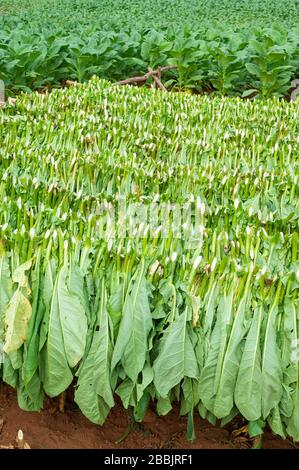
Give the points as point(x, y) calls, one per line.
point(163, 406)
point(211, 373)
point(210, 308)
point(30, 397)
point(176, 358)
point(147, 378)
point(76, 286)
point(16, 358)
point(248, 390)
point(191, 395)
point(104, 353)
point(10, 375)
point(142, 407)
point(72, 316)
point(123, 334)
point(94, 395)
point(57, 375)
point(47, 288)
point(91, 405)
point(31, 352)
point(253, 69)
point(126, 392)
point(35, 283)
point(256, 428)
point(115, 306)
point(67, 330)
point(224, 401)
point(291, 310)
point(275, 422)
point(206, 414)
point(271, 366)
point(132, 342)
point(227, 419)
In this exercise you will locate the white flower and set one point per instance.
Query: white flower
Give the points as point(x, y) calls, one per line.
point(263, 270)
point(154, 268)
point(158, 230)
point(141, 228)
point(197, 261)
point(32, 233)
point(213, 265)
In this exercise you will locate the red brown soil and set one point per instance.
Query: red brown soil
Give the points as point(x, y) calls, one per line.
point(50, 429)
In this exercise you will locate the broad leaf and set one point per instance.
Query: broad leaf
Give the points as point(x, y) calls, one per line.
point(248, 390)
point(176, 358)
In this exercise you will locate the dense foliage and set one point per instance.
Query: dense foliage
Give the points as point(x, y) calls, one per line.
point(76, 14)
point(227, 47)
point(208, 316)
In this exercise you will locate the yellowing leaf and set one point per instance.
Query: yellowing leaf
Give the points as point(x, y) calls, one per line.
point(18, 314)
point(19, 275)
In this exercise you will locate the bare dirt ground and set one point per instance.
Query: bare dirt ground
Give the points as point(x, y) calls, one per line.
point(51, 429)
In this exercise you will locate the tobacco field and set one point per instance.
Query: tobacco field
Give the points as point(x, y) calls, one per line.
point(253, 50)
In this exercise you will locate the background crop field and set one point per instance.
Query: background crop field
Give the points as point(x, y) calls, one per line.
point(158, 14)
point(226, 47)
